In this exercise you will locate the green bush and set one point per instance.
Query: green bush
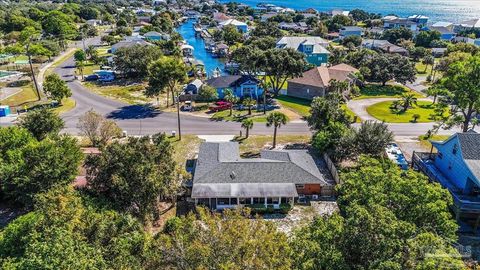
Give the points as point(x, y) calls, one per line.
point(285, 208)
point(261, 209)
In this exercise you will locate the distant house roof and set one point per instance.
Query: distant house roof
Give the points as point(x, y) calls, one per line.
point(153, 34)
point(232, 22)
point(321, 76)
point(383, 45)
point(474, 23)
point(470, 148)
point(220, 16)
point(220, 172)
point(442, 24)
point(442, 29)
point(130, 43)
point(310, 10)
point(402, 21)
point(295, 42)
point(352, 28)
point(230, 81)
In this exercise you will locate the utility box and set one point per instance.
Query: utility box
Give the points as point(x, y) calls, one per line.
point(4, 111)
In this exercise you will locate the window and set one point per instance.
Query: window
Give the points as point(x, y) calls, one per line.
point(223, 201)
point(440, 155)
point(233, 201)
point(455, 149)
point(300, 186)
point(276, 200)
point(244, 200)
point(258, 200)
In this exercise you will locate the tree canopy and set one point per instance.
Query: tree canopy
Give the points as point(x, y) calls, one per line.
point(29, 167)
point(135, 176)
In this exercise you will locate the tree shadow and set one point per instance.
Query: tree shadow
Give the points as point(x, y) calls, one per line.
point(134, 112)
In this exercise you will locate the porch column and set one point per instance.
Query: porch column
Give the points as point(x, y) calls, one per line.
point(265, 202)
point(196, 201)
point(238, 201)
point(251, 200)
point(293, 201)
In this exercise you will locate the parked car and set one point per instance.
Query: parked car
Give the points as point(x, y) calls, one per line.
point(187, 106)
point(220, 106)
point(91, 78)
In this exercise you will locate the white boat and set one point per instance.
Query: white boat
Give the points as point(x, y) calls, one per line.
point(394, 153)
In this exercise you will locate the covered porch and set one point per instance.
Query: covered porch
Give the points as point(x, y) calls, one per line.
point(224, 196)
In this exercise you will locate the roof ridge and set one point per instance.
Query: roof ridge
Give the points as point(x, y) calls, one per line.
point(308, 171)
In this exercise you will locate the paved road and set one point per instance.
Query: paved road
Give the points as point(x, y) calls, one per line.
point(141, 120)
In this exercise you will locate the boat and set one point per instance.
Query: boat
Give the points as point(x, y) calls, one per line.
point(394, 153)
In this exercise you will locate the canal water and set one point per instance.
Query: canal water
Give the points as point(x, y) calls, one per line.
point(188, 33)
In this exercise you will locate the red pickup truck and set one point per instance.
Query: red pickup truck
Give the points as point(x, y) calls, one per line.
point(220, 106)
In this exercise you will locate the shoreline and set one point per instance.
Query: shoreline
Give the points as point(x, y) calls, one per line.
point(436, 10)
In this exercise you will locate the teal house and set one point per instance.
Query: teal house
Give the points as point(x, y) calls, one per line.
point(314, 48)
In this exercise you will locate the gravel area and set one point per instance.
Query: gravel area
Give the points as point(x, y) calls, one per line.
point(301, 215)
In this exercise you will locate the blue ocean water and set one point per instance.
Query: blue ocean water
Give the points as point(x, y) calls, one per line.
point(437, 10)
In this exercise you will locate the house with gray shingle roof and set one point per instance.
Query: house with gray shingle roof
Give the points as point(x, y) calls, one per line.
point(222, 179)
point(456, 166)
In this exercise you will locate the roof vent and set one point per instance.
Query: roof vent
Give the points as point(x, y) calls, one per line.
point(233, 175)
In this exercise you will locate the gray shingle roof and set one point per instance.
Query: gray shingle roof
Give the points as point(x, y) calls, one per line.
point(221, 163)
point(470, 143)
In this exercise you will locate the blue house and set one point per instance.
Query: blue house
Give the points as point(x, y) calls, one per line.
point(312, 47)
point(241, 85)
point(446, 33)
point(456, 166)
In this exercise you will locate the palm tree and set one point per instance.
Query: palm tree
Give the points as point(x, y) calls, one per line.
point(276, 119)
point(247, 124)
point(408, 100)
point(231, 98)
point(249, 102)
point(428, 60)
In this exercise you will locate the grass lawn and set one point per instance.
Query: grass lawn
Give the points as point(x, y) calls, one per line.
point(383, 112)
point(131, 94)
point(420, 68)
point(89, 68)
point(426, 142)
point(67, 105)
point(251, 147)
point(351, 113)
point(298, 105)
point(185, 149)
point(103, 51)
point(387, 91)
point(27, 97)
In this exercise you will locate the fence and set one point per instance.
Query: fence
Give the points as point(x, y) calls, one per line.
point(333, 170)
